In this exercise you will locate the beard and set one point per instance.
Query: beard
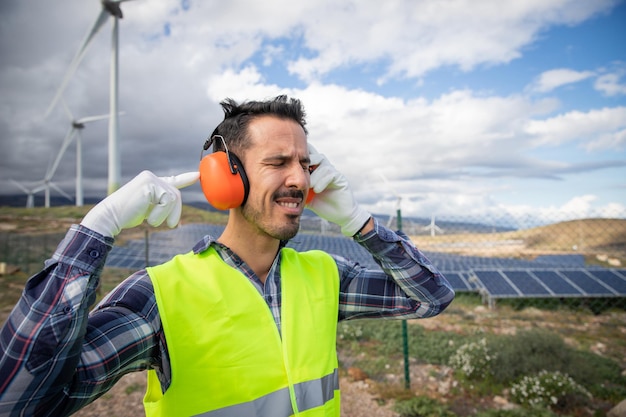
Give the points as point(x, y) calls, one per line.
point(284, 229)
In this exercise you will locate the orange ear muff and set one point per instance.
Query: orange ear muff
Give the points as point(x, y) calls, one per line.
point(310, 196)
point(223, 180)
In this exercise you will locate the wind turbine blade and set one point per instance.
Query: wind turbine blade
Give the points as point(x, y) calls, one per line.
point(39, 188)
point(92, 118)
point(64, 145)
point(20, 186)
point(102, 18)
point(60, 191)
point(70, 116)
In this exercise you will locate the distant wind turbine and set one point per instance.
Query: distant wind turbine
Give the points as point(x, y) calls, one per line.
point(76, 126)
point(30, 192)
point(109, 8)
point(37, 187)
point(433, 227)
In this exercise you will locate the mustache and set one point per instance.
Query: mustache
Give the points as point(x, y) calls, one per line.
point(290, 194)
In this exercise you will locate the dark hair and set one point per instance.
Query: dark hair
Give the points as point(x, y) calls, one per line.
point(237, 117)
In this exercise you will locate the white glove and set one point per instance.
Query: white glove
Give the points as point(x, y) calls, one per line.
point(145, 197)
point(334, 200)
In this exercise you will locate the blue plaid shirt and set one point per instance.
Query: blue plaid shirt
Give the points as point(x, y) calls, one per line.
point(58, 357)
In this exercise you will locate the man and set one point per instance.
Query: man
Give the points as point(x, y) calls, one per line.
point(241, 326)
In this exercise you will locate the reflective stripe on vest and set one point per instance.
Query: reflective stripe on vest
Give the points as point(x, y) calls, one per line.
point(309, 394)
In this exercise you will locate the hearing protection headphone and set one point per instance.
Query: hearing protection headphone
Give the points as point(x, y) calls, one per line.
point(222, 177)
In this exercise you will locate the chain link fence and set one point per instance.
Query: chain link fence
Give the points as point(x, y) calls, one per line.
point(26, 252)
point(462, 248)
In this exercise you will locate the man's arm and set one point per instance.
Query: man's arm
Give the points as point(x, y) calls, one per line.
point(54, 358)
point(408, 286)
point(42, 338)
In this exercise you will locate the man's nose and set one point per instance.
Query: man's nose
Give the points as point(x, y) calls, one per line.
point(298, 177)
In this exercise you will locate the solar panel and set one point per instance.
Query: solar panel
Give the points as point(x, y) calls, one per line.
point(587, 283)
point(526, 283)
point(558, 285)
point(496, 284)
point(566, 260)
point(555, 282)
point(458, 281)
point(620, 272)
point(611, 278)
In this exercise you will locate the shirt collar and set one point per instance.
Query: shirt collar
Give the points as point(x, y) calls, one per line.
point(209, 240)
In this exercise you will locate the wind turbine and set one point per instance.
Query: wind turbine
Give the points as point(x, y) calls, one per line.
point(47, 183)
point(109, 8)
point(39, 186)
point(433, 227)
point(76, 126)
point(30, 192)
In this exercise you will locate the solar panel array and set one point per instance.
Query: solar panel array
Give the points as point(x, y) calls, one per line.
point(556, 282)
point(543, 277)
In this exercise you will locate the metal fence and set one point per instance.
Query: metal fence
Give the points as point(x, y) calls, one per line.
point(27, 252)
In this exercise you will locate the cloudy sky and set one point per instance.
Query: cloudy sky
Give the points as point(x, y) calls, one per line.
point(480, 108)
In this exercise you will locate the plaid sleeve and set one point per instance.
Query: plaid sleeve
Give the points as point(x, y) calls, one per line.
point(408, 286)
point(53, 354)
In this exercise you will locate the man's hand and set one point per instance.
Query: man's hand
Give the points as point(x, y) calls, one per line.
point(145, 197)
point(334, 200)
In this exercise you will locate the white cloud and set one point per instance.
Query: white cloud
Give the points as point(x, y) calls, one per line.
point(417, 37)
point(550, 80)
point(591, 128)
point(609, 84)
point(611, 141)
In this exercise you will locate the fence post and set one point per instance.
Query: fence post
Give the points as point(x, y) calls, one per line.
point(405, 331)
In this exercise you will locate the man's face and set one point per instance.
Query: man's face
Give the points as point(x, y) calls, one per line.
point(276, 164)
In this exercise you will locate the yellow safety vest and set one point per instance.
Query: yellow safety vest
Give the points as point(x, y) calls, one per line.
point(227, 357)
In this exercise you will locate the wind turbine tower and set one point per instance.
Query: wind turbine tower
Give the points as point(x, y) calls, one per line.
point(110, 8)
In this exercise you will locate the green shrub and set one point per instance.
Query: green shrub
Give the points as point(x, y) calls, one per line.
point(473, 359)
point(433, 347)
point(422, 407)
point(549, 389)
point(602, 376)
point(527, 353)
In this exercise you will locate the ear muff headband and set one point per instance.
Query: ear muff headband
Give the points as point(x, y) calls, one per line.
point(222, 177)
